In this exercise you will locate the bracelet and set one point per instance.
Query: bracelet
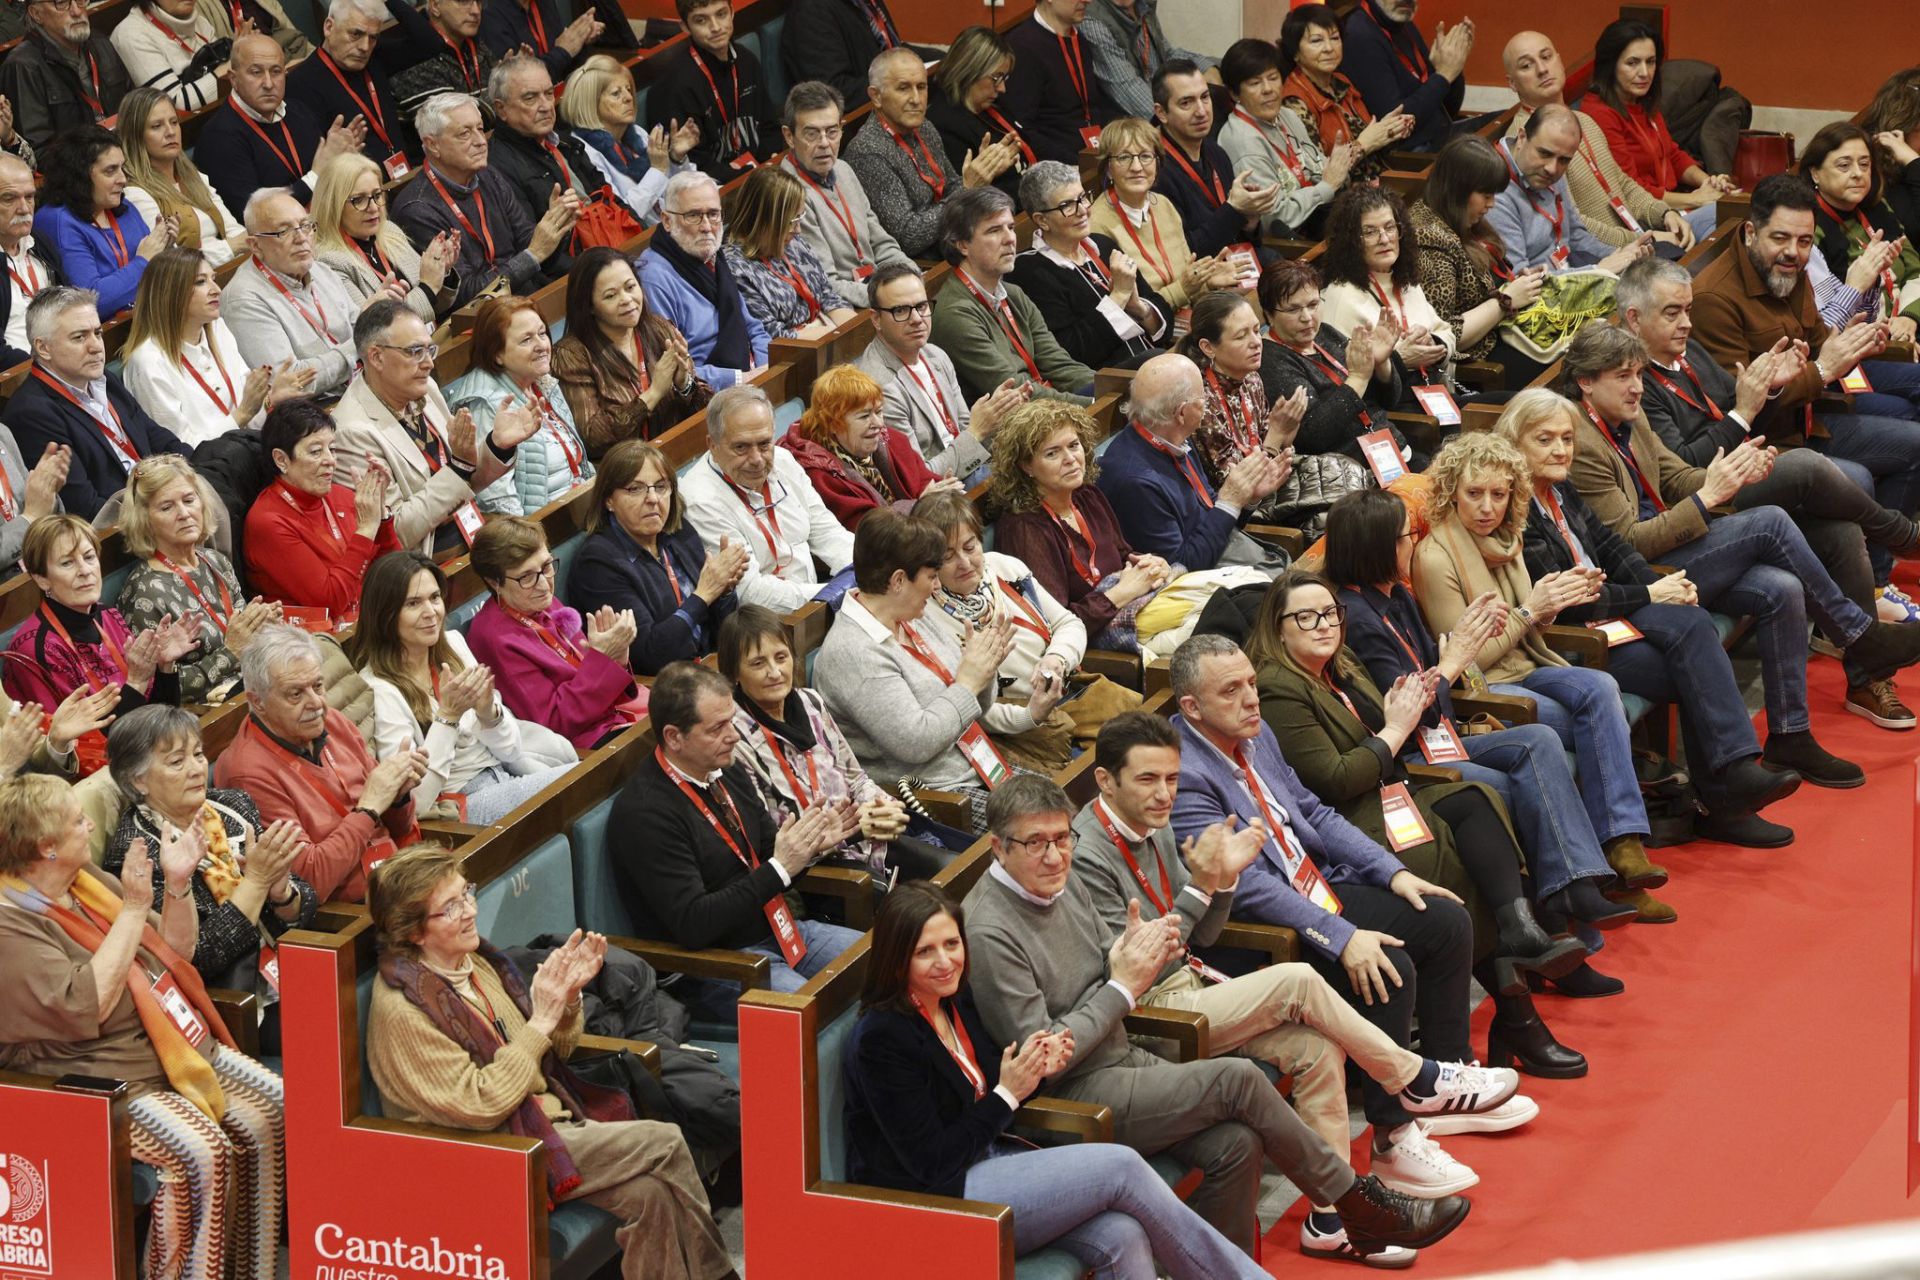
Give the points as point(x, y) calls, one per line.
point(182, 894)
point(1507, 304)
point(293, 896)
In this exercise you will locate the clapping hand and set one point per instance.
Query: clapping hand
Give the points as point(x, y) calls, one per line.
point(1143, 949)
point(81, 712)
point(247, 621)
point(19, 735)
point(48, 477)
point(1284, 419)
point(611, 632)
point(1218, 855)
point(136, 880)
point(513, 425)
point(271, 855)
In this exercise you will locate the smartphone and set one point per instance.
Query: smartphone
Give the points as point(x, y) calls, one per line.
point(100, 1085)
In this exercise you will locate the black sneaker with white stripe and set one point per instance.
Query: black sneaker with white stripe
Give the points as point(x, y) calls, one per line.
point(1462, 1088)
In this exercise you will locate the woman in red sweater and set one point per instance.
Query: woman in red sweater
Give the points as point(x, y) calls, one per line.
point(1625, 102)
point(855, 460)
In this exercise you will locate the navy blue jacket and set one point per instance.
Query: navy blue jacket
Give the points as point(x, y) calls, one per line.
point(1372, 641)
point(504, 27)
point(1158, 509)
point(611, 569)
point(912, 1121)
point(1628, 573)
point(1374, 63)
point(40, 417)
point(1211, 226)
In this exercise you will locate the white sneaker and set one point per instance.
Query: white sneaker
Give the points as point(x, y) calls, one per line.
point(1463, 1087)
point(1333, 1247)
point(1416, 1166)
point(1511, 1114)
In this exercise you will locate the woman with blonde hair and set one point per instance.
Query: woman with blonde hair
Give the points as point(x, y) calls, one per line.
point(1144, 223)
point(353, 234)
point(782, 281)
point(965, 105)
point(181, 361)
point(600, 104)
point(854, 459)
point(162, 179)
point(168, 520)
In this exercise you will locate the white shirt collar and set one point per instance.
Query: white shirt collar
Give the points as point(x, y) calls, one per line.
point(852, 607)
point(275, 118)
point(1127, 833)
point(1041, 18)
point(1001, 874)
point(676, 772)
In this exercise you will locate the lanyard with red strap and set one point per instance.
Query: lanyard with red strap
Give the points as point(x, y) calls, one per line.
point(880, 22)
point(425, 434)
point(320, 325)
point(779, 918)
point(460, 51)
point(31, 283)
point(86, 666)
point(719, 103)
point(805, 796)
point(933, 175)
point(1093, 267)
point(673, 577)
point(485, 233)
point(1557, 218)
point(1405, 643)
point(1070, 53)
point(1006, 126)
point(1626, 455)
point(94, 99)
point(770, 527)
point(370, 109)
point(1211, 187)
point(1288, 156)
point(551, 419)
point(1341, 694)
point(290, 157)
point(1324, 358)
point(1002, 312)
point(960, 1049)
point(837, 204)
point(566, 173)
point(538, 26)
point(1071, 524)
point(1552, 504)
point(1133, 864)
point(640, 364)
point(221, 616)
point(930, 390)
point(333, 524)
point(1301, 872)
point(118, 248)
point(1417, 65)
point(1704, 404)
point(213, 349)
point(1889, 283)
point(171, 34)
point(378, 263)
point(560, 644)
point(1240, 427)
point(115, 431)
point(1182, 462)
point(1028, 617)
point(1398, 305)
point(1163, 268)
point(791, 274)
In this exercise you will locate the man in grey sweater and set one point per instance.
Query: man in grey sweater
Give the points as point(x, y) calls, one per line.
point(837, 219)
point(1041, 958)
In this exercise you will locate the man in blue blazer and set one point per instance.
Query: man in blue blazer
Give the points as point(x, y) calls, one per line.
point(71, 399)
point(1157, 487)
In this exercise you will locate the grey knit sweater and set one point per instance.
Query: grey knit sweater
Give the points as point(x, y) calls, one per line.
point(1110, 882)
point(904, 202)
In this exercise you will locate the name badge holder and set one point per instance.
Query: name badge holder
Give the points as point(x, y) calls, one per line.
point(1205, 971)
point(983, 756)
point(308, 617)
point(468, 520)
point(179, 1009)
point(396, 166)
point(1303, 875)
point(1406, 825)
point(1560, 257)
point(1383, 455)
point(1439, 404)
point(1856, 382)
point(1618, 631)
point(785, 931)
point(1441, 744)
point(1627, 220)
point(1243, 257)
point(270, 966)
point(377, 851)
point(1090, 136)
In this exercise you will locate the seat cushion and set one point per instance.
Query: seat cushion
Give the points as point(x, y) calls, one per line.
point(601, 908)
point(830, 1047)
point(461, 614)
point(563, 563)
point(533, 897)
point(786, 414)
point(580, 1241)
point(1635, 705)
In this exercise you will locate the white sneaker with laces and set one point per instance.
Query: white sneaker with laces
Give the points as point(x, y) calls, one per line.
point(1414, 1165)
point(1463, 1087)
point(1511, 1114)
point(1333, 1247)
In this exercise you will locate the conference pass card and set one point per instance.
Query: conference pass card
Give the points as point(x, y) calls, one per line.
point(1242, 256)
point(1627, 220)
point(308, 617)
point(1441, 744)
point(1618, 631)
point(793, 947)
point(1856, 381)
point(1439, 404)
point(1383, 455)
point(1406, 826)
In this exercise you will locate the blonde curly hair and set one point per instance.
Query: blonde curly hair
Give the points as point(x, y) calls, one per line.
point(1020, 436)
point(1469, 454)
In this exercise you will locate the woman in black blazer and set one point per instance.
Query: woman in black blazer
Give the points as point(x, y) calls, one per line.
point(928, 1103)
point(640, 554)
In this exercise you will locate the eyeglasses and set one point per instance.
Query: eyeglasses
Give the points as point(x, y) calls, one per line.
point(999, 79)
point(698, 216)
point(1308, 620)
point(817, 133)
point(1075, 205)
point(367, 201)
point(526, 581)
point(641, 489)
point(1380, 235)
point(467, 904)
point(299, 230)
point(1045, 844)
point(1134, 159)
point(419, 352)
point(77, 5)
point(900, 315)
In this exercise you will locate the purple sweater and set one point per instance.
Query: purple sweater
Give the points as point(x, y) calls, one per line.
point(583, 703)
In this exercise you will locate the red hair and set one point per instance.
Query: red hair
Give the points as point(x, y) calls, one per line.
point(836, 393)
point(490, 324)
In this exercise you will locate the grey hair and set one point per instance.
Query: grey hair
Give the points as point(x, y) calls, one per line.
point(374, 322)
point(1160, 409)
point(1531, 407)
point(877, 69)
point(1638, 282)
point(274, 646)
point(1039, 183)
point(685, 180)
point(436, 113)
point(505, 70)
point(138, 736)
point(257, 202)
point(340, 10)
point(726, 404)
point(1021, 796)
point(1596, 349)
point(809, 95)
point(44, 312)
point(1184, 668)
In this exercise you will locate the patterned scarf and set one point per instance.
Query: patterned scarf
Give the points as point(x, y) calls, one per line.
point(868, 471)
point(461, 1023)
point(976, 607)
point(220, 869)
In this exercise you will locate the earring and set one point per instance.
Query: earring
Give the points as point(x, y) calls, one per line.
point(50, 856)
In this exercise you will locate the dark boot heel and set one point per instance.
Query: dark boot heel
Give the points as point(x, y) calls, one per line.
point(1508, 977)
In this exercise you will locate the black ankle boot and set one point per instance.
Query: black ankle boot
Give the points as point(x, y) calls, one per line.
point(1524, 948)
point(1377, 1217)
point(1582, 900)
point(1519, 1039)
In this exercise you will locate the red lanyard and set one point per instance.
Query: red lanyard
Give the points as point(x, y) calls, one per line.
point(1404, 643)
point(1889, 283)
point(460, 51)
point(551, 638)
point(370, 109)
point(116, 434)
point(331, 787)
point(93, 99)
point(1398, 303)
point(1566, 530)
point(640, 363)
point(560, 433)
point(30, 284)
point(1182, 462)
point(748, 857)
point(1289, 156)
point(169, 33)
point(1705, 404)
point(837, 204)
point(1651, 138)
point(333, 525)
point(800, 794)
point(1324, 358)
point(1006, 127)
point(931, 390)
point(1164, 268)
point(1559, 213)
point(788, 272)
point(1216, 193)
point(926, 657)
point(485, 233)
point(1241, 430)
point(1089, 571)
point(1032, 621)
point(1133, 864)
point(1076, 70)
point(936, 180)
point(538, 26)
point(1274, 830)
point(1341, 694)
point(773, 517)
point(1002, 311)
point(319, 326)
point(1593, 163)
point(881, 24)
point(726, 121)
point(1626, 455)
point(290, 157)
point(673, 578)
point(213, 349)
point(106, 642)
point(961, 1050)
point(119, 246)
point(1099, 267)
point(432, 445)
point(383, 268)
point(222, 616)
point(566, 174)
point(1416, 65)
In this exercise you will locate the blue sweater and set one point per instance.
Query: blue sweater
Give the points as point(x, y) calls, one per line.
point(1158, 509)
point(672, 298)
point(90, 255)
point(611, 569)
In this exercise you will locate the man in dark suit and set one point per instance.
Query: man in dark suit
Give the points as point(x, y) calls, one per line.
point(343, 79)
point(260, 139)
point(1217, 208)
point(530, 148)
point(72, 400)
point(1054, 90)
point(836, 41)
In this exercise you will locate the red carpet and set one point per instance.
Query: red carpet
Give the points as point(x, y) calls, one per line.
point(1752, 1080)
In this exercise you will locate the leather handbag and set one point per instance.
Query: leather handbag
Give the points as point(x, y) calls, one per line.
point(1761, 154)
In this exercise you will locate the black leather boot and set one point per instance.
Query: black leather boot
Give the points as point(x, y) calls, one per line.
point(1525, 948)
point(1377, 1216)
point(1519, 1039)
point(1582, 900)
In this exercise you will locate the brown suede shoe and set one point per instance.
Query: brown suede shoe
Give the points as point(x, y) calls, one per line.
point(1651, 910)
point(1628, 858)
point(1879, 702)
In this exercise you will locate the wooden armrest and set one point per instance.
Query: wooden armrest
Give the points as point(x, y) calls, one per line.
point(1112, 382)
point(1482, 375)
point(1121, 668)
point(1187, 1029)
point(1421, 428)
point(949, 808)
point(1157, 677)
point(1509, 708)
point(744, 967)
point(1287, 246)
point(457, 833)
point(853, 887)
point(1414, 161)
point(1590, 647)
point(1479, 417)
point(337, 917)
point(1291, 541)
point(646, 1050)
point(1431, 773)
point(1278, 941)
point(1087, 1121)
point(240, 1010)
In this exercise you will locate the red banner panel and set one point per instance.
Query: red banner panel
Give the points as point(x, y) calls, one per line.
point(66, 1193)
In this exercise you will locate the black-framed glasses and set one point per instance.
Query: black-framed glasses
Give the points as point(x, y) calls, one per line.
point(368, 200)
point(1312, 620)
point(902, 314)
point(299, 230)
point(697, 216)
point(1044, 844)
point(528, 580)
point(467, 904)
point(1065, 207)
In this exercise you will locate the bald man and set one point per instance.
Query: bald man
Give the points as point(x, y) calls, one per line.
point(1536, 216)
point(1595, 179)
point(30, 267)
point(260, 139)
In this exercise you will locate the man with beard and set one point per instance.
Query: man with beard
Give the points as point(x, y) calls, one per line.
point(62, 74)
point(689, 284)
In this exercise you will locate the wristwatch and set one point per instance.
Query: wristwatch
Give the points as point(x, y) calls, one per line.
point(1525, 615)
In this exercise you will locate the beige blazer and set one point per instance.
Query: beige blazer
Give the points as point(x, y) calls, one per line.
point(422, 499)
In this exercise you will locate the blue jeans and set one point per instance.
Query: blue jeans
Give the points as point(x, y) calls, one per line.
point(1889, 449)
point(824, 942)
point(1102, 1203)
point(1583, 708)
point(1758, 563)
point(1703, 220)
point(1528, 767)
point(1681, 661)
point(1896, 389)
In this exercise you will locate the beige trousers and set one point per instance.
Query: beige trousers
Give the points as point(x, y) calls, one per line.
point(641, 1172)
point(1287, 1015)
